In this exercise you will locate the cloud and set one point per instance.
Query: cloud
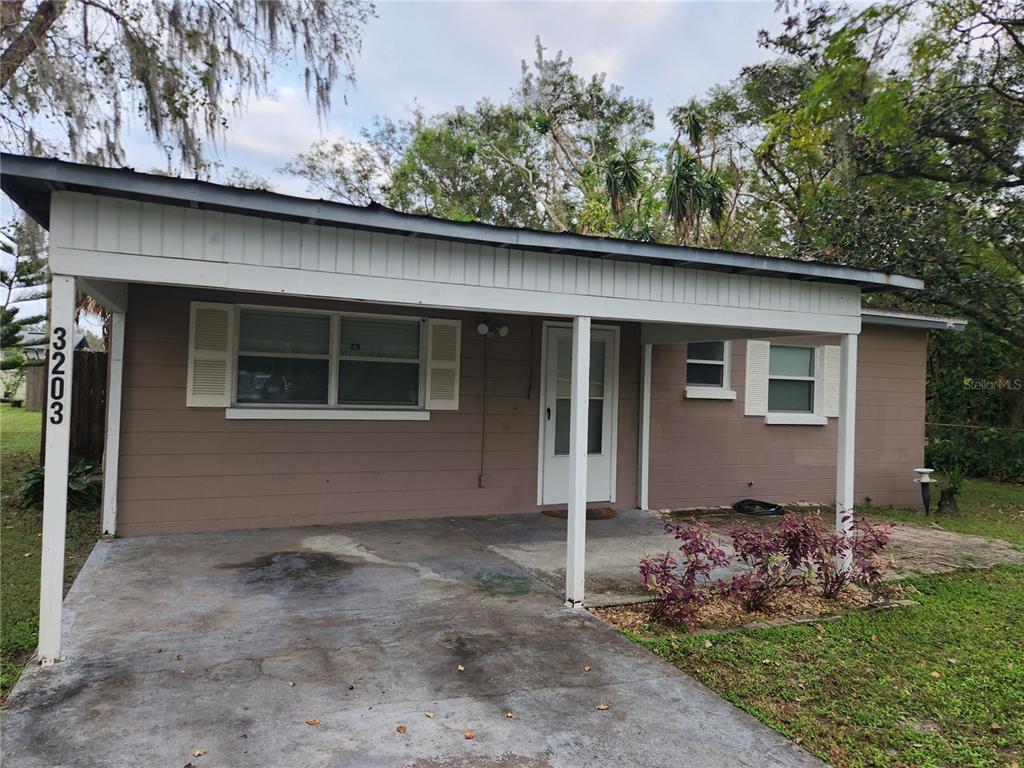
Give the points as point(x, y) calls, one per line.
point(275, 126)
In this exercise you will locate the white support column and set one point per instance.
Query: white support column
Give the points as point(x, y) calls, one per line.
point(112, 443)
point(55, 485)
point(846, 442)
point(644, 452)
point(576, 537)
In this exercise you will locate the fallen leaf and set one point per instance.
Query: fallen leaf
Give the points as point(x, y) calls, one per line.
point(587, 667)
point(461, 668)
point(601, 707)
point(190, 765)
point(707, 643)
point(996, 727)
point(874, 638)
point(469, 735)
point(401, 729)
point(510, 716)
point(820, 628)
point(291, 685)
point(936, 674)
point(1010, 665)
point(313, 721)
point(429, 714)
point(178, 657)
point(199, 753)
point(951, 661)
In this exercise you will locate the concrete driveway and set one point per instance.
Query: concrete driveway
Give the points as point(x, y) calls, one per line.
point(226, 644)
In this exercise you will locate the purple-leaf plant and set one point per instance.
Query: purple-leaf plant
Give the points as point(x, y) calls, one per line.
point(680, 582)
point(771, 559)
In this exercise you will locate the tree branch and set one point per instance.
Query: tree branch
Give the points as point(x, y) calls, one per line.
point(28, 39)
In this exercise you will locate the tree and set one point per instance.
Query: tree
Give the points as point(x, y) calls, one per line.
point(534, 161)
point(23, 278)
point(78, 68)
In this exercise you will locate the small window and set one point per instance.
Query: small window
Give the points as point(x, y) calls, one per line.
point(705, 364)
point(791, 379)
point(707, 370)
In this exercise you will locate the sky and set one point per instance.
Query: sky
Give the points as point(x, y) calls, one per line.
point(440, 55)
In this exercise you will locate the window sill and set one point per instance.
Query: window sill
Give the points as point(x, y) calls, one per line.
point(324, 414)
point(709, 393)
point(806, 419)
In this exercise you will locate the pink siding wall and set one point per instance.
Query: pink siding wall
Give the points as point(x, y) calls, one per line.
point(189, 469)
point(706, 452)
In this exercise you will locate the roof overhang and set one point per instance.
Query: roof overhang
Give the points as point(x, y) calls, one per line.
point(909, 320)
point(30, 181)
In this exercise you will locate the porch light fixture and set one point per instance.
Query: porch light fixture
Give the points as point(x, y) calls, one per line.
point(924, 477)
point(491, 328)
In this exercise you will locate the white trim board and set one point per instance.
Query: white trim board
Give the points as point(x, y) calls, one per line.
point(422, 293)
point(322, 414)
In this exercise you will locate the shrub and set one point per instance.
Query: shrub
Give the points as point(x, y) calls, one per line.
point(820, 552)
point(681, 584)
point(771, 559)
point(85, 486)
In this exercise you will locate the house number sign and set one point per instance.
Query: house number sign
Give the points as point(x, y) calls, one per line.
point(58, 373)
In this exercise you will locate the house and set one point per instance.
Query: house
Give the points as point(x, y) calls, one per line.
point(281, 361)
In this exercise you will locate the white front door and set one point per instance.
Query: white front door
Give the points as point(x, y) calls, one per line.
point(601, 428)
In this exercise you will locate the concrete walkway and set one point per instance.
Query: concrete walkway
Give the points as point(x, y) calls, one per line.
point(216, 649)
point(615, 546)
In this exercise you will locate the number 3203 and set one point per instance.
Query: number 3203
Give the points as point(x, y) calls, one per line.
point(58, 372)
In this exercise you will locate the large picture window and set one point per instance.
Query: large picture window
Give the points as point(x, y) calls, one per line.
point(791, 379)
point(328, 359)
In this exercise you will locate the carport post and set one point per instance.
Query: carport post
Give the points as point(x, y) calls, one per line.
point(55, 483)
point(644, 452)
point(576, 537)
point(112, 434)
point(845, 443)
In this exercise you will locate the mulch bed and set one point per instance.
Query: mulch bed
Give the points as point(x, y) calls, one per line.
point(723, 614)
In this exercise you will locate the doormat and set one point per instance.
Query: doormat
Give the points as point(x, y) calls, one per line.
point(593, 513)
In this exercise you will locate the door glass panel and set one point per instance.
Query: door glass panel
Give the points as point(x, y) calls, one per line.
point(563, 392)
point(597, 352)
point(595, 428)
point(562, 415)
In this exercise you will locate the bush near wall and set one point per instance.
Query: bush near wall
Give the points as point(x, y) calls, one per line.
point(978, 451)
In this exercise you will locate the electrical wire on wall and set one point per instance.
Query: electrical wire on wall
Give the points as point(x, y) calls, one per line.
point(487, 329)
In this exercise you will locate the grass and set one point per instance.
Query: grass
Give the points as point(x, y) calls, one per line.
point(938, 685)
point(987, 508)
point(20, 539)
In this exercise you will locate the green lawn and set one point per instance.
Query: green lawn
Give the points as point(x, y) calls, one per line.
point(987, 508)
point(935, 686)
point(20, 533)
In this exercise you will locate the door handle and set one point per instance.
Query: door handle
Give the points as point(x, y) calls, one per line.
point(548, 412)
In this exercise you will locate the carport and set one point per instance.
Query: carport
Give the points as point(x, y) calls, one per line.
point(116, 233)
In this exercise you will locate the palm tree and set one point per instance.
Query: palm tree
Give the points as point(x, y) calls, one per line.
point(623, 178)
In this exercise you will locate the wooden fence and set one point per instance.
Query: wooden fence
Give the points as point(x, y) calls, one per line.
point(88, 404)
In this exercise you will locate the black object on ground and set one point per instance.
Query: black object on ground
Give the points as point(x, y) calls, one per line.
point(755, 507)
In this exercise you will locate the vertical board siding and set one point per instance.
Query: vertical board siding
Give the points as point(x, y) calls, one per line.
point(111, 225)
point(706, 452)
point(190, 469)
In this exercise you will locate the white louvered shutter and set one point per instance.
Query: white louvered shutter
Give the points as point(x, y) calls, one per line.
point(444, 338)
point(755, 396)
point(830, 381)
point(210, 364)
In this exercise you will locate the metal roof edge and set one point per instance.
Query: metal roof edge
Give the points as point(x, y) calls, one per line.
point(59, 174)
point(911, 320)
